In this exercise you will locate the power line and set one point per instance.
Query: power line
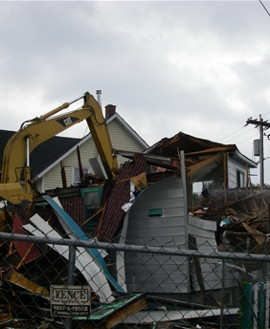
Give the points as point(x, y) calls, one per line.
point(264, 7)
point(265, 114)
point(232, 137)
point(244, 139)
point(231, 133)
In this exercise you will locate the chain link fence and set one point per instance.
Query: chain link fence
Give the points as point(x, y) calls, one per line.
point(48, 281)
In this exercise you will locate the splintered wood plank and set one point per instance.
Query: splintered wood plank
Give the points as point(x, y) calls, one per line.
point(21, 281)
point(108, 316)
point(128, 311)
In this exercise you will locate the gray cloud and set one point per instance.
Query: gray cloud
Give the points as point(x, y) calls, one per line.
point(201, 67)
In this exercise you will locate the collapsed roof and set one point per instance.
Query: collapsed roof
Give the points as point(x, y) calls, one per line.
point(201, 155)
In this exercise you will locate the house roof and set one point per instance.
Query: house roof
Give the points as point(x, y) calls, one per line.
point(49, 152)
point(183, 142)
point(194, 147)
point(201, 155)
point(44, 154)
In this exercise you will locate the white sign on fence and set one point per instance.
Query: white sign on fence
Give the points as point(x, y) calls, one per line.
point(70, 300)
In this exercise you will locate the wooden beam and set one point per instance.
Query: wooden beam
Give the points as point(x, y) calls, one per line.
point(108, 316)
point(202, 164)
point(213, 150)
point(122, 314)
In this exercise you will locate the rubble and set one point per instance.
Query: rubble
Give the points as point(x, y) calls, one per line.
point(241, 216)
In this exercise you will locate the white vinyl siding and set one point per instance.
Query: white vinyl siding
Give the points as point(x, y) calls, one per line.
point(234, 167)
point(121, 139)
point(53, 177)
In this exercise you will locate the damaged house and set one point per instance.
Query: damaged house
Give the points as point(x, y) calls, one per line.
point(208, 164)
point(159, 216)
point(148, 203)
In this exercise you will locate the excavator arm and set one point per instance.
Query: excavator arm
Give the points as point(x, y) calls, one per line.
point(34, 132)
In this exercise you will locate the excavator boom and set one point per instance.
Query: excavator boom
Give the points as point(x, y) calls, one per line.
point(38, 130)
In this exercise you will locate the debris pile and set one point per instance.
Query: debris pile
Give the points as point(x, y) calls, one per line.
point(243, 215)
point(28, 270)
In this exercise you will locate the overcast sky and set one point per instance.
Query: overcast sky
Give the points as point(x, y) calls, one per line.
point(200, 67)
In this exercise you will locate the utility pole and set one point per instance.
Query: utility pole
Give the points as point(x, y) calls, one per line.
point(263, 125)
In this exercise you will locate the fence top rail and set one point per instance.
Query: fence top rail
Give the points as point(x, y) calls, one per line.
point(94, 243)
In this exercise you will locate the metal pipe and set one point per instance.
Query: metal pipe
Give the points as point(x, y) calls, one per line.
point(99, 93)
point(27, 150)
point(71, 271)
point(59, 108)
point(135, 248)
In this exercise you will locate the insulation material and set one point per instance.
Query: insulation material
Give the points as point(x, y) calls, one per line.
point(140, 181)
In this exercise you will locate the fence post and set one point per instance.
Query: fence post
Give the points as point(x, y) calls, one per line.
point(261, 315)
point(267, 304)
point(222, 295)
point(246, 307)
point(71, 270)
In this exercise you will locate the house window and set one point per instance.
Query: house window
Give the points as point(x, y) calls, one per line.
point(240, 176)
point(92, 199)
point(76, 175)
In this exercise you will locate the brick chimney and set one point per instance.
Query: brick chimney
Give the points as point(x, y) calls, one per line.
point(110, 110)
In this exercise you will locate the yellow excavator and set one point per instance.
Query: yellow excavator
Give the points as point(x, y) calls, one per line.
point(36, 131)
